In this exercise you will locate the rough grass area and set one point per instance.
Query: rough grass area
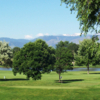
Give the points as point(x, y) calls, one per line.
point(74, 86)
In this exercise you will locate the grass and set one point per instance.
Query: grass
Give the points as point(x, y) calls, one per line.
point(90, 66)
point(74, 86)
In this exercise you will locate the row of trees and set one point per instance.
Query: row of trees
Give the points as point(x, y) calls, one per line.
point(37, 57)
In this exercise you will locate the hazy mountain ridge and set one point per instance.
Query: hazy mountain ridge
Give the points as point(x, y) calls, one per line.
point(50, 40)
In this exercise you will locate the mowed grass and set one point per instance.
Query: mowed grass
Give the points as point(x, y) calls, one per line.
point(75, 86)
point(91, 66)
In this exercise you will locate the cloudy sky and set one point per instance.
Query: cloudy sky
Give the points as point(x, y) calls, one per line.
point(28, 19)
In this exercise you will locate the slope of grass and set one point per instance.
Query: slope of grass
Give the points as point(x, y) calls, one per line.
point(74, 86)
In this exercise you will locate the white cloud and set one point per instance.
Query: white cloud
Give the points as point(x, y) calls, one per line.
point(47, 34)
point(66, 35)
point(40, 34)
point(75, 34)
point(28, 37)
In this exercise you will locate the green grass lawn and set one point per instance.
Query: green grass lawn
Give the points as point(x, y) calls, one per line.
point(75, 86)
point(96, 66)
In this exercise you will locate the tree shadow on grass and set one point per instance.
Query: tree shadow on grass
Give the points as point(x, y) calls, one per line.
point(14, 79)
point(69, 81)
point(95, 73)
point(92, 73)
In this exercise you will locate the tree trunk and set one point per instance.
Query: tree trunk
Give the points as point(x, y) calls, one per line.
point(59, 77)
point(88, 69)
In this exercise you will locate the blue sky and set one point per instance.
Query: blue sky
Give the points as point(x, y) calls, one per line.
point(28, 19)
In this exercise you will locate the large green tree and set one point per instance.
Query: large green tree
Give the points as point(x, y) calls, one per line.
point(88, 13)
point(34, 59)
point(63, 60)
point(6, 54)
point(88, 53)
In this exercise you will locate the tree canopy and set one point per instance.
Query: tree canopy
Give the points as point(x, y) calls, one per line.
point(6, 54)
point(88, 13)
point(33, 59)
point(15, 50)
point(88, 53)
point(72, 46)
point(63, 60)
point(62, 44)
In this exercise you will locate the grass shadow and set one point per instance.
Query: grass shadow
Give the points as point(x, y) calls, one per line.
point(95, 73)
point(14, 79)
point(92, 73)
point(68, 81)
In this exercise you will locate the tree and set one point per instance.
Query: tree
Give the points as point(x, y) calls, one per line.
point(6, 54)
point(88, 13)
point(15, 49)
point(62, 44)
point(52, 60)
point(71, 46)
point(63, 60)
point(88, 52)
point(34, 59)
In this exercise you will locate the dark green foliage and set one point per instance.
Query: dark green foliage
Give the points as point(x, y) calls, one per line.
point(15, 50)
point(63, 60)
point(62, 44)
point(71, 46)
point(33, 59)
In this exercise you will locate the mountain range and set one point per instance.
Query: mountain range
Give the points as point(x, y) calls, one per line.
point(50, 40)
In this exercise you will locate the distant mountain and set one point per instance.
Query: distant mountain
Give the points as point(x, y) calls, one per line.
point(53, 40)
point(15, 42)
point(50, 40)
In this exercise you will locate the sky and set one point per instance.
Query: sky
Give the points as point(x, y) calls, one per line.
point(29, 19)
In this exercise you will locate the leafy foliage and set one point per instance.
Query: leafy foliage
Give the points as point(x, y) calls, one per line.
point(71, 46)
point(63, 59)
point(15, 50)
point(6, 54)
point(88, 13)
point(33, 59)
point(87, 53)
point(62, 44)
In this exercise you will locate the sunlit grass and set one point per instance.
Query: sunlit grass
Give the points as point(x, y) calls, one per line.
point(76, 85)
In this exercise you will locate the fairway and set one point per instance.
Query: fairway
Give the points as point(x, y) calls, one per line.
point(45, 87)
point(75, 86)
